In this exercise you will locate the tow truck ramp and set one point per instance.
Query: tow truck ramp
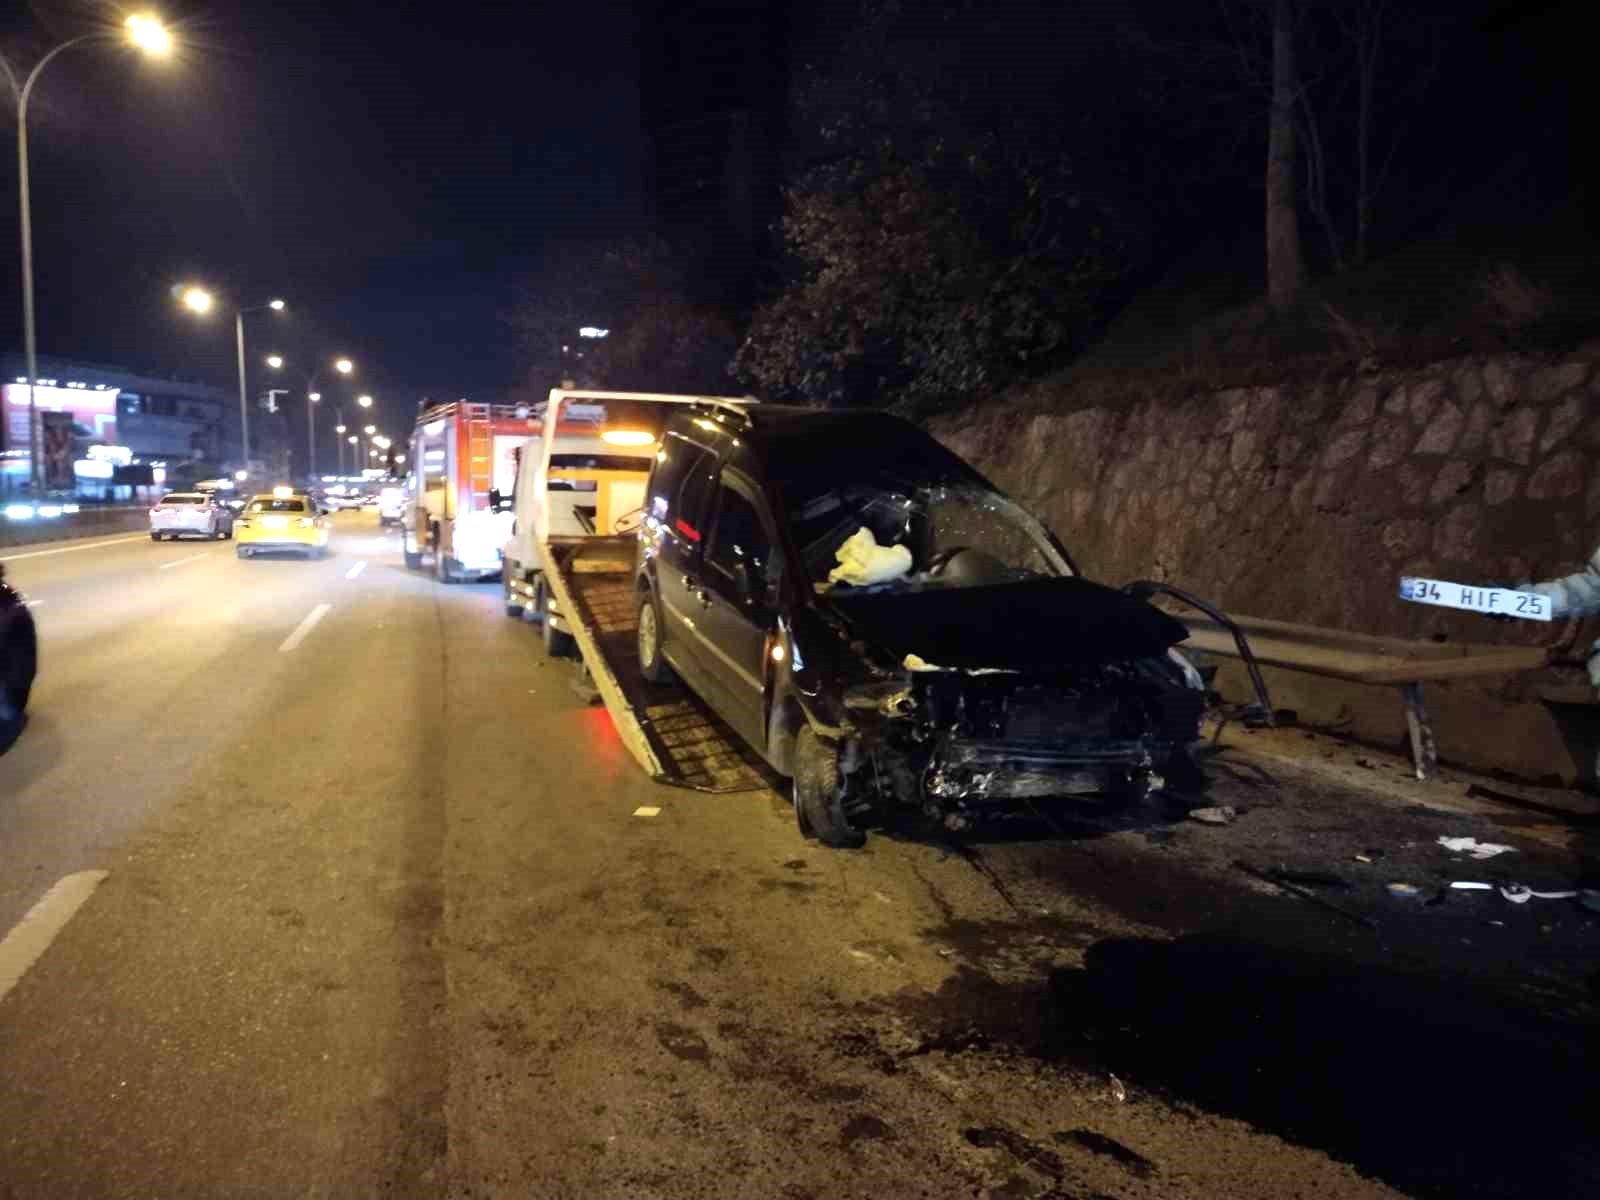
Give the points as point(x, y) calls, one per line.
point(669, 730)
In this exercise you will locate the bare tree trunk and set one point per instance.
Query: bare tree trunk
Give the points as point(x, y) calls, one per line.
point(1285, 264)
point(1369, 30)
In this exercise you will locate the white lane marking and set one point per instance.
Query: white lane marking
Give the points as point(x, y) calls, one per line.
point(647, 810)
point(356, 570)
point(138, 537)
point(32, 935)
point(32, 603)
point(178, 562)
point(305, 627)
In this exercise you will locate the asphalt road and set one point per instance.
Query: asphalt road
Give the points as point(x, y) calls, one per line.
point(383, 914)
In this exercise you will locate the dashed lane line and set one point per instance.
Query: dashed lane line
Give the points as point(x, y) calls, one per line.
point(356, 570)
point(178, 562)
point(32, 935)
point(305, 627)
point(138, 537)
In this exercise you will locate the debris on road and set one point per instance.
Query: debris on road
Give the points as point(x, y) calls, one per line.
point(1405, 890)
point(1222, 814)
point(1275, 879)
point(1520, 893)
point(1472, 846)
point(1119, 1093)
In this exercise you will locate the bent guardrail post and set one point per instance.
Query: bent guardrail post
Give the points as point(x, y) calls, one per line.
point(1145, 588)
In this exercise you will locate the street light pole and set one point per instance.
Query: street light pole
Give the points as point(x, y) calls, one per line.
point(311, 430)
point(146, 33)
point(244, 404)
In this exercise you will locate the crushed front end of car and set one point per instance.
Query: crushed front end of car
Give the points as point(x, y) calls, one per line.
point(1014, 693)
point(959, 663)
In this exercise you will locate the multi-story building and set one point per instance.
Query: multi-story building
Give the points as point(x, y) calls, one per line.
point(109, 426)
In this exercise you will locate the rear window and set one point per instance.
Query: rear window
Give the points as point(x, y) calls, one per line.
point(175, 500)
point(276, 505)
point(679, 484)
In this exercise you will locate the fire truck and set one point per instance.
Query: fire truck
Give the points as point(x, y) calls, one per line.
point(463, 469)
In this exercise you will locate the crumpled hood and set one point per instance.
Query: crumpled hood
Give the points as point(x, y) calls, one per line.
point(1029, 625)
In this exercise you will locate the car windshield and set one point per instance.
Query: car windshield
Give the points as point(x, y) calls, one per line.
point(933, 523)
point(277, 504)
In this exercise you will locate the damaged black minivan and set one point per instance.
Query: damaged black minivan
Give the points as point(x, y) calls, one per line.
point(885, 627)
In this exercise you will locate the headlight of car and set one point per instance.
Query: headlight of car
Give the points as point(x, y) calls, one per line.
point(887, 697)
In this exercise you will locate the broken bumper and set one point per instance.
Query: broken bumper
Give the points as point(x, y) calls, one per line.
point(976, 770)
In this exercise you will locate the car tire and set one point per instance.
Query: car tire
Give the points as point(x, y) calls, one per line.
point(242, 551)
point(155, 537)
point(652, 663)
point(557, 642)
point(817, 802)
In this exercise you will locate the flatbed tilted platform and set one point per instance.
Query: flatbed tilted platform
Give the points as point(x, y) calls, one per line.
point(666, 727)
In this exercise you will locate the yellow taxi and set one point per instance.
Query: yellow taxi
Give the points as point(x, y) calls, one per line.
point(282, 519)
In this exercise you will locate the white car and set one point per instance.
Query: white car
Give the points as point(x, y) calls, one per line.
point(190, 514)
point(391, 505)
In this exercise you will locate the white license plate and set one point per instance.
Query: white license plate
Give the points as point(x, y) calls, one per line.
point(274, 522)
point(1529, 606)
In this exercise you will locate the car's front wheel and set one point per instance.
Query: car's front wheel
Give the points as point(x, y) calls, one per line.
point(818, 804)
point(652, 665)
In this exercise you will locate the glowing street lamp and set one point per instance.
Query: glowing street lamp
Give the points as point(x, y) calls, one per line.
point(344, 366)
point(149, 34)
point(151, 37)
point(364, 400)
point(369, 430)
point(200, 301)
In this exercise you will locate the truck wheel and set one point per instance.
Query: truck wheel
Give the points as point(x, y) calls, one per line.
point(557, 643)
point(651, 663)
point(817, 804)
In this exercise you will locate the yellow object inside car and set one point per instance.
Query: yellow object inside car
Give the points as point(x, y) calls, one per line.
point(290, 522)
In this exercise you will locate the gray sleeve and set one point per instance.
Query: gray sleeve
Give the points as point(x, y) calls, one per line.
point(1572, 595)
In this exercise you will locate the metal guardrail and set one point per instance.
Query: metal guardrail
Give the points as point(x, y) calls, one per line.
point(1364, 658)
point(24, 523)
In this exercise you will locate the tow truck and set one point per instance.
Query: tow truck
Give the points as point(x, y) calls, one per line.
point(570, 564)
point(463, 461)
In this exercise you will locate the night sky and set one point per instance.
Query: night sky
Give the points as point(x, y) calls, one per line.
point(391, 170)
point(395, 171)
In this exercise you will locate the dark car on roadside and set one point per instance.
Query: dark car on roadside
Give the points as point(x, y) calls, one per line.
point(885, 627)
point(19, 656)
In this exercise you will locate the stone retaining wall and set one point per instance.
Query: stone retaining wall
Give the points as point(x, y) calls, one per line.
point(1308, 502)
